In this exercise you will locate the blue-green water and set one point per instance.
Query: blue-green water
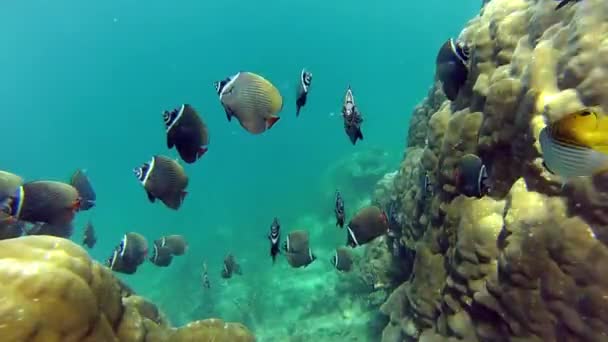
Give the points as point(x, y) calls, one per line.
point(84, 84)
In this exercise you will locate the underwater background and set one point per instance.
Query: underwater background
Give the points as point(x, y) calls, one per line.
point(84, 86)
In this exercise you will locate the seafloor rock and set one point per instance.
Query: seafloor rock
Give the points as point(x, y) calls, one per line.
point(528, 260)
point(53, 291)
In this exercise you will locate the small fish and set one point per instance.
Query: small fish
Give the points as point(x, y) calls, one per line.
point(187, 132)
point(129, 254)
point(176, 244)
point(44, 201)
point(205, 277)
point(471, 176)
point(369, 223)
point(563, 3)
point(9, 183)
point(275, 238)
point(302, 90)
point(296, 242)
point(352, 117)
point(165, 179)
point(392, 213)
point(576, 145)
point(81, 182)
point(89, 239)
point(117, 264)
point(10, 227)
point(342, 259)
point(300, 259)
point(230, 267)
point(452, 67)
point(426, 185)
point(161, 256)
point(252, 99)
point(339, 210)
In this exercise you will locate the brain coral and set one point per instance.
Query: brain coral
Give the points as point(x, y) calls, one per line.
point(528, 260)
point(53, 291)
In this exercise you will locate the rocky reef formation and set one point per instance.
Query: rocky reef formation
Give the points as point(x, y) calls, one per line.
point(527, 261)
point(53, 291)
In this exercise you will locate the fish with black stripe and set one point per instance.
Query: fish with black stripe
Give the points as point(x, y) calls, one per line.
point(342, 259)
point(129, 254)
point(297, 241)
point(176, 244)
point(164, 179)
point(303, 89)
point(452, 67)
point(187, 132)
point(352, 117)
point(369, 223)
point(471, 176)
point(161, 256)
point(50, 202)
point(275, 238)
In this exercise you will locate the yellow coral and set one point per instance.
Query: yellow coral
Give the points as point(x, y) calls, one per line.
point(53, 291)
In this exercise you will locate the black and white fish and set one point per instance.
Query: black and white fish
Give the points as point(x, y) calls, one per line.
point(187, 131)
point(339, 210)
point(161, 256)
point(471, 176)
point(275, 238)
point(452, 66)
point(352, 117)
point(302, 90)
point(369, 223)
point(342, 259)
point(165, 179)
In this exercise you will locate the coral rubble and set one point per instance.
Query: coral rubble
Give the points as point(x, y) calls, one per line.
point(53, 291)
point(526, 261)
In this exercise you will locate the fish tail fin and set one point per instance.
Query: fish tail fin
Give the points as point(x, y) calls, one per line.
point(201, 151)
point(271, 121)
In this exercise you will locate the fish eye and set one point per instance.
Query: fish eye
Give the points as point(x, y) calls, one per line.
point(586, 112)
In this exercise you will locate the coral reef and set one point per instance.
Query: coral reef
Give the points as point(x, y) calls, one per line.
point(524, 262)
point(53, 291)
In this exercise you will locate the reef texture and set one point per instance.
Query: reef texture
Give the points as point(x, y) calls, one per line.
point(53, 291)
point(526, 262)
